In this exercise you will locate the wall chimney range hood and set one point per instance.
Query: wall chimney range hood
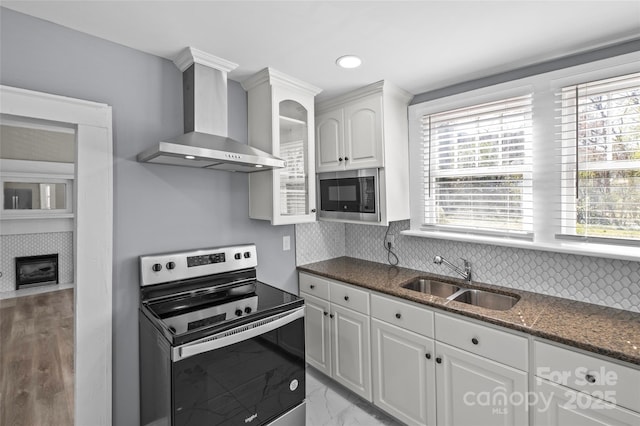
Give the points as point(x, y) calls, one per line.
point(205, 143)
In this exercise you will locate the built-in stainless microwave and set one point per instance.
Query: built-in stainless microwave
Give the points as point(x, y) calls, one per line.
point(349, 195)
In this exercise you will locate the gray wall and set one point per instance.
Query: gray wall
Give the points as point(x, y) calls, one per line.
point(156, 208)
point(528, 71)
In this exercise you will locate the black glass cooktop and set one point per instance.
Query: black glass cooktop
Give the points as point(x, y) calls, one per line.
point(188, 316)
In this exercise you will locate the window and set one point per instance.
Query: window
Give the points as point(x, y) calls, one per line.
point(477, 167)
point(548, 162)
point(600, 141)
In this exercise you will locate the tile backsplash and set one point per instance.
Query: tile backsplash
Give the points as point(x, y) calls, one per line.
point(12, 246)
point(608, 282)
point(320, 240)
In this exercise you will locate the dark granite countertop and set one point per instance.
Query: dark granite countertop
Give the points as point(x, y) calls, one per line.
point(607, 331)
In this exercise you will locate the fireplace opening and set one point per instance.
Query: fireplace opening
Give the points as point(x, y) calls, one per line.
point(32, 271)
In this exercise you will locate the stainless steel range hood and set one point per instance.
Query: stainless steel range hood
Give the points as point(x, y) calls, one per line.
point(205, 143)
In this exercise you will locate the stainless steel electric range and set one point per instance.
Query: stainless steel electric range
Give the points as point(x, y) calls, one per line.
point(217, 346)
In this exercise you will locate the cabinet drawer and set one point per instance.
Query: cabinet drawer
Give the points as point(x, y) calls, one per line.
point(314, 285)
point(559, 406)
point(402, 314)
point(602, 379)
point(350, 297)
point(485, 341)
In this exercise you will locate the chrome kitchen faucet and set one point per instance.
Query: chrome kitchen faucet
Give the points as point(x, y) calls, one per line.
point(464, 273)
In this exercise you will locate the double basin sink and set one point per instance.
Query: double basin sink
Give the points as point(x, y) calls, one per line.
point(482, 298)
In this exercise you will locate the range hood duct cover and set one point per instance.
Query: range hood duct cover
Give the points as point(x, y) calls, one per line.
point(205, 143)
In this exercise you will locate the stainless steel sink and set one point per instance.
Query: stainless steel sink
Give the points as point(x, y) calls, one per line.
point(482, 298)
point(487, 299)
point(435, 288)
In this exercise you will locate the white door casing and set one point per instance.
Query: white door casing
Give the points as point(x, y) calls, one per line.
point(93, 243)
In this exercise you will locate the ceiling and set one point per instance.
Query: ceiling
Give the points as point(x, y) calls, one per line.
point(418, 45)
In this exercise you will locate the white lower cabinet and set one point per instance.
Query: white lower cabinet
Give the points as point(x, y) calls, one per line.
point(602, 379)
point(556, 405)
point(337, 332)
point(473, 390)
point(403, 373)
point(351, 350)
point(426, 367)
point(574, 388)
point(317, 330)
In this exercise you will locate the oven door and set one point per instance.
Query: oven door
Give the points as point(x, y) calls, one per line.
point(250, 375)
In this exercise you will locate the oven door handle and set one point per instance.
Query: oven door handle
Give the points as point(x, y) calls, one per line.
point(235, 335)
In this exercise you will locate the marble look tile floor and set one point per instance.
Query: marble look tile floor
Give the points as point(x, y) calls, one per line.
point(329, 404)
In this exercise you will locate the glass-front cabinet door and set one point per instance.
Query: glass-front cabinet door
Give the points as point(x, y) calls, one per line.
point(281, 122)
point(294, 150)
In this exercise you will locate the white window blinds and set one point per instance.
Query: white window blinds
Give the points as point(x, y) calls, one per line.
point(478, 167)
point(600, 158)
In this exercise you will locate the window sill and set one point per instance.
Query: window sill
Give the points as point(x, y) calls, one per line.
point(571, 247)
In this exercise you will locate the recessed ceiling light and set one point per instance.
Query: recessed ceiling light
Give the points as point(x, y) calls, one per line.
point(189, 157)
point(259, 166)
point(349, 61)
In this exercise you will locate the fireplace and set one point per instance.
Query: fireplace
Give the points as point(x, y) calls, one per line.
point(33, 271)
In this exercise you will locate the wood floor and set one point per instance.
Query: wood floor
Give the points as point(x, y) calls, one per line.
point(36, 360)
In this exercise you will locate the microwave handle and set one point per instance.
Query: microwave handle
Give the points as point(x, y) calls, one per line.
point(235, 335)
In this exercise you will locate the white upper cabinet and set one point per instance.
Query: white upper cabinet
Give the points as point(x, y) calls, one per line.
point(368, 129)
point(363, 134)
point(330, 140)
point(281, 122)
point(359, 129)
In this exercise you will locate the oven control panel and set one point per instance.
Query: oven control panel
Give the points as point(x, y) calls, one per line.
point(167, 267)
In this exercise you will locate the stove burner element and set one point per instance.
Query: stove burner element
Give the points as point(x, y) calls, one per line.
point(189, 294)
